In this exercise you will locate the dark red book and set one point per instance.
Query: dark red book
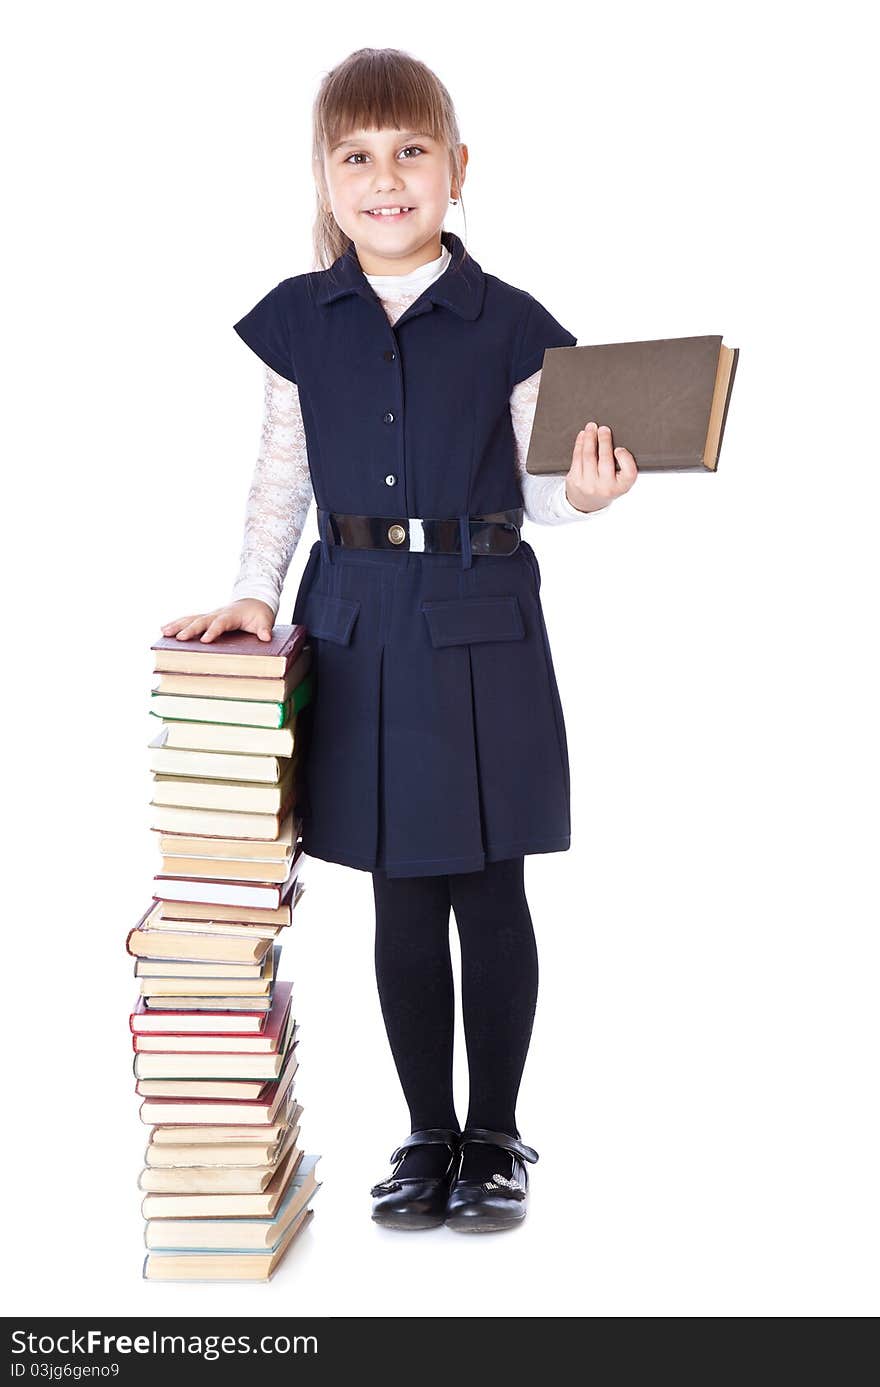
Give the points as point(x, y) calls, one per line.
point(233, 652)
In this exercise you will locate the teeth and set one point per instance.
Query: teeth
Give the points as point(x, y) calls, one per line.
point(389, 211)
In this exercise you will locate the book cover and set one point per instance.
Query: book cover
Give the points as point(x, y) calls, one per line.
point(666, 400)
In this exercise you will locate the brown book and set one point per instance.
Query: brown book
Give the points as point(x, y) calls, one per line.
point(238, 685)
point(224, 1235)
point(233, 652)
point(242, 1091)
point(176, 1134)
point(215, 1179)
point(200, 845)
point(178, 985)
point(232, 796)
point(222, 930)
point(260, 1204)
point(220, 1111)
point(221, 943)
point(146, 941)
point(184, 1066)
point(210, 988)
point(214, 765)
point(665, 400)
point(226, 869)
point(179, 966)
point(257, 1264)
point(248, 1147)
point(278, 1023)
point(197, 913)
point(223, 823)
point(232, 891)
point(230, 737)
point(195, 1002)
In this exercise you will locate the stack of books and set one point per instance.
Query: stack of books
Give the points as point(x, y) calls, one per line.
point(227, 1185)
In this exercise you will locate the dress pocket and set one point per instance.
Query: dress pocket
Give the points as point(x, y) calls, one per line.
point(464, 620)
point(330, 618)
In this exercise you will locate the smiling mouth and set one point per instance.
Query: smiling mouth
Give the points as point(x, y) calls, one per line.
point(389, 212)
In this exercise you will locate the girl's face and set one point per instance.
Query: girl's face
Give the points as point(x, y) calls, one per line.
point(395, 169)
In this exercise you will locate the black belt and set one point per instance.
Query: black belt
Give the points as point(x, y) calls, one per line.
point(497, 533)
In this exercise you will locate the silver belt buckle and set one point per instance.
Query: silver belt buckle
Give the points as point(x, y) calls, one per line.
point(416, 535)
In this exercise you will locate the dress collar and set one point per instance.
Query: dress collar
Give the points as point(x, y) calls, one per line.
point(460, 287)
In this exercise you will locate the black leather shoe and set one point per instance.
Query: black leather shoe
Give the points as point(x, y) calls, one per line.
point(416, 1201)
point(487, 1206)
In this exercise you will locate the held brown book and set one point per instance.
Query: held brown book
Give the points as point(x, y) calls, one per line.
point(666, 400)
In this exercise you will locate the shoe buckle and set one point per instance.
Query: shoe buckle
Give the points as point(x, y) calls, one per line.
point(499, 1181)
point(386, 1187)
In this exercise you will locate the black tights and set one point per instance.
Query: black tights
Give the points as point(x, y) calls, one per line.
point(499, 966)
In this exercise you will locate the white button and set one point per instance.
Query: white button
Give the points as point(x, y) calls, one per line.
point(390, 479)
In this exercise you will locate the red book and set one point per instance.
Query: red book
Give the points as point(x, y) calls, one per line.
point(267, 1040)
point(143, 1020)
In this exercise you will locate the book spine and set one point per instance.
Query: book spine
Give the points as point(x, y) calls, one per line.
point(726, 405)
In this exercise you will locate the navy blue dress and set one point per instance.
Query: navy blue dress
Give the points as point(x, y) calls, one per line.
point(435, 741)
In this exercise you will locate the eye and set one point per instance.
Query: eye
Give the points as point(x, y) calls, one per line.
point(359, 154)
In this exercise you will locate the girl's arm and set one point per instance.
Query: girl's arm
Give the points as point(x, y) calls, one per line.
point(279, 496)
point(544, 498)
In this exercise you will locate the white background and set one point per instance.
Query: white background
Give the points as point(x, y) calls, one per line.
point(702, 1081)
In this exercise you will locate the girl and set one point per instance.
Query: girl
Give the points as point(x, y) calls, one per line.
point(400, 386)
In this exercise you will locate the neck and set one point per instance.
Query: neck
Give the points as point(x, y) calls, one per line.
point(372, 264)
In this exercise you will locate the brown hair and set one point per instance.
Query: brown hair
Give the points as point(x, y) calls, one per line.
point(375, 89)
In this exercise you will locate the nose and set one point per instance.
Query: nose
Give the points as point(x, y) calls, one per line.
point(387, 175)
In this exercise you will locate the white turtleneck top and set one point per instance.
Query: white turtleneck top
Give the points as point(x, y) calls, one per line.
point(281, 489)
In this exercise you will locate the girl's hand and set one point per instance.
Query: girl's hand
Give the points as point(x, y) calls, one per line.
point(592, 482)
point(248, 614)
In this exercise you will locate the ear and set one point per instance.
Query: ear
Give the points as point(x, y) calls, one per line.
point(458, 180)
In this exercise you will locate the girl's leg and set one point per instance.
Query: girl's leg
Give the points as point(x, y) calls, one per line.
point(414, 979)
point(499, 966)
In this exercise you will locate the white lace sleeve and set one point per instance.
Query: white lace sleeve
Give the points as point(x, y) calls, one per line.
point(279, 496)
point(544, 498)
